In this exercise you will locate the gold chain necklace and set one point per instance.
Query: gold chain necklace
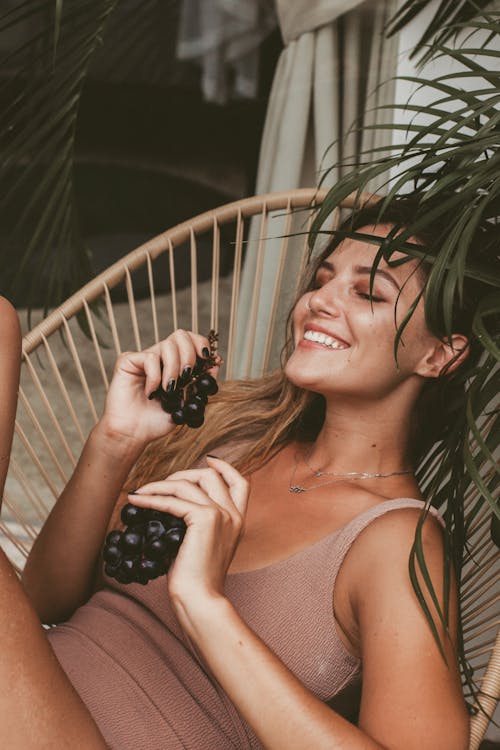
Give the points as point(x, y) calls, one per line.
point(350, 476)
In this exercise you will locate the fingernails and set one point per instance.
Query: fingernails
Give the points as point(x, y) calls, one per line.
point(132, 493)
point(185, 374)
point(205, 352)
point(171, 386)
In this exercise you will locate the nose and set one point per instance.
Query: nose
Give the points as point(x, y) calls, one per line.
point(324, 301)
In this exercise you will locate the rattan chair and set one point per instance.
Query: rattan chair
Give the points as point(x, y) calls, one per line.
point(187, 277)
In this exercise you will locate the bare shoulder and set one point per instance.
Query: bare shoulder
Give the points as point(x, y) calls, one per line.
point(394, 532)
point(379, 557)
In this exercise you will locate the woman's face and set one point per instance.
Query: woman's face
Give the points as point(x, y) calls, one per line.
point(344, 343)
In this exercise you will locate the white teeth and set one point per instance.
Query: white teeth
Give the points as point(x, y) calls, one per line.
point(323, 338)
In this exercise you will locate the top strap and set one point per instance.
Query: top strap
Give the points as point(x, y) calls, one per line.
point(349, 533)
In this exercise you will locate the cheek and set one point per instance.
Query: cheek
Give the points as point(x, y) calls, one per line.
point(299, 313)
point(376, 329)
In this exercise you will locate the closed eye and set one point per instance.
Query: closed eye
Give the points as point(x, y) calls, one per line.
point(370, 297)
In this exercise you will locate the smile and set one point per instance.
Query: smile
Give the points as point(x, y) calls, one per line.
point(324, 340)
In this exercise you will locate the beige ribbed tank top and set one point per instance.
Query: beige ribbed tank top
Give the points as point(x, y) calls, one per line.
point(128, 659)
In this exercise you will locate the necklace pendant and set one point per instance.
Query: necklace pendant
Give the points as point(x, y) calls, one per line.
point(296, 488)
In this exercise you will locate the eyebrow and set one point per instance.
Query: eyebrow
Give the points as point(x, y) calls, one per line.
point(364, 270)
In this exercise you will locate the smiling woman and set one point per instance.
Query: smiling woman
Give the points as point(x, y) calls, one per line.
point(288, 618)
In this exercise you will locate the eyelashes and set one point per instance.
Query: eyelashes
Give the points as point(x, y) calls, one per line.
point(363, 295)
point(370, 297)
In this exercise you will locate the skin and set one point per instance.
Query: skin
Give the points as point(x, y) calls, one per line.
point(410, 697)
point(31, 715)
point(10, 360)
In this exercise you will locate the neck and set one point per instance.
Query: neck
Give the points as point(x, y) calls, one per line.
point(363, 438)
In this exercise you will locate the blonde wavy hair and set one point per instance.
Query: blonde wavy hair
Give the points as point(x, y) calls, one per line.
point(264, 414)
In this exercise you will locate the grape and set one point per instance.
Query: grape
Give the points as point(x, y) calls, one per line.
point(157, 515)
point(175, 536)
point(193, 409)
point(131, 542)
point(153, 568)
point(199, 398)
point(156, 549)
point(178, 416)
point(207, 384)
point(128, 566)
point(131, 514)
point(193, 414)
point(114, 538)
point(154, 530)
point(111, 570)
point(112, 555)
point(194, 421)
point(145, 549)
point(170, 401)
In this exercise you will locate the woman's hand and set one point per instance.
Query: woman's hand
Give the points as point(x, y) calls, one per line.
point(212, 503)
point(128, 411)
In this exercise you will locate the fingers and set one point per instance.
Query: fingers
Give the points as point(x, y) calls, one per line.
point(178, 354)
point(171, 363)
point(239, 487)
point(168, 363)
point(211, 482)
point(187, 500)
point(221, 481)
point(220, 484)
point(152, 370)
point(156, 491)
point(140, 364)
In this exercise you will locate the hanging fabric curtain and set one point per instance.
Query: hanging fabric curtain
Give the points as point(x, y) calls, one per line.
point(223, 37)
point(328, 80)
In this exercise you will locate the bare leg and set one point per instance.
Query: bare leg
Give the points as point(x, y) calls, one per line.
point(39, 708)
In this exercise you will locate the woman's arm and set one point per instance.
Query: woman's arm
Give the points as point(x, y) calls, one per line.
point(10, 362)
point(280, 710)
point(409, 691)
point(410, 698)
point(60, 573)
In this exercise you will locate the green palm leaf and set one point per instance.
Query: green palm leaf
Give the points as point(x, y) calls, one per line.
point(37, 135)
point(449, 15)
point(41, 86)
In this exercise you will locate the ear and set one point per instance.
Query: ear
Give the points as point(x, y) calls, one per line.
point(444, 356)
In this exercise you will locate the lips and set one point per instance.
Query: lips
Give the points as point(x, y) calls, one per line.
point(318, 335)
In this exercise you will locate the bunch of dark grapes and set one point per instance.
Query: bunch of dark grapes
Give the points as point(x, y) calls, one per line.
point(186, 402)
point(145, 548)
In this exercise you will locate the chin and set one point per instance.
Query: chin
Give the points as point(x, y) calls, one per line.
point(302, 377)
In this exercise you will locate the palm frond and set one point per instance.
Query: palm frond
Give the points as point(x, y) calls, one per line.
point(42, 84)
point(448, 17)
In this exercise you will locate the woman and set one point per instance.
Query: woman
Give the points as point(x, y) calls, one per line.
point(293, 573)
